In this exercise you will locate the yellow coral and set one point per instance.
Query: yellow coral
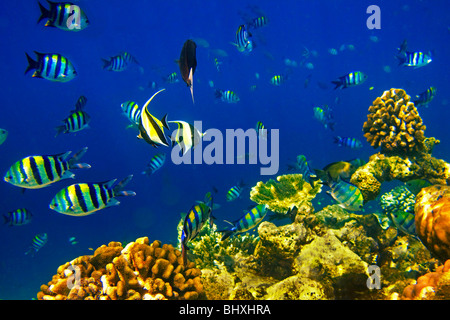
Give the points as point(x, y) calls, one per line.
point(394, 124)
point(139, 271)
point(288, 191)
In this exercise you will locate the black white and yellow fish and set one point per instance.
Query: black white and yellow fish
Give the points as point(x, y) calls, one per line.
point(425, 97)
point(132, 111)
point(77, 120)
point(261, 130)
point(18, 217)
point(171, 78)
point(51, 66)
point(82, 199)
point(235, 192)
point(414, 59)
point(3, 135)
point(156, 163)
point(348, 142)
point(194, 221)
point(278, 79)
point(188, 64)
point(350, 80)
point(37, 243)
point(36, 172)
point(247, 222)
point(302, 166)
point(258, 22)
point(243, 41)
point(119, 63)
point(324, 115)
point(151, 129)
point(404, 221)
point(186, 135)
point(347, 194)
point(227, 96)
point(64, 15)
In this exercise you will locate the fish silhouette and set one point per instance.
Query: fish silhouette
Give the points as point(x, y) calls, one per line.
point(188, 63)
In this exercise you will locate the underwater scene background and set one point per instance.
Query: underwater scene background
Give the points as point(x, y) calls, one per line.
point(325, 39)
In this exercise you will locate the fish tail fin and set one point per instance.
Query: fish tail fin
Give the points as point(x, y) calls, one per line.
point(106, 63)
point(401, 59)
point(338, 140)
point(117, 189)
point(73, 162)
point(218, 93)
point(5, 219)
point(337, 83)
point(59, 130)
point(164, 122)
point(31, 64)
point(321, 174)
point(226, 234)
point(45, 13)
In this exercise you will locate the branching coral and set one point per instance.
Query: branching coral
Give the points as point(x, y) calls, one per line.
point(432, 211)
point(138, 271)
point(288, 191)
point(394, 124)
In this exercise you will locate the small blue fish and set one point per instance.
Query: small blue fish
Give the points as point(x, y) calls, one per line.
point(261, 130)
point(348, 142)
point(350, 80)
point(3, 135)
point(404, 221)
point(51, 66)
point(243, 41)
point(172, 78)
point(247, 222)
point(37, 243)
point(278, 80)
point(302, 167)
point(132, 111)
point(18, 217)
point(77, 120)
point(119, 63)
point(324, 116)
point(155, 163)
point(227, 96)
point(347, 194)
point(415, 59)
point(235, 192)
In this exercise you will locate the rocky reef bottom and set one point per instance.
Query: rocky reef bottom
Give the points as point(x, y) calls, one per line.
point(331, 254)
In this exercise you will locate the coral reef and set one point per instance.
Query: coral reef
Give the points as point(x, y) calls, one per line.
point(394, 124)
point(432, 211)
point(398, 199)
point(138, 271)
point(380, 168)
point(288, 191)
point(431, 286)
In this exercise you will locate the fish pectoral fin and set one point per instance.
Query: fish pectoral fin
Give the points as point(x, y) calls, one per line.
point(112, 202)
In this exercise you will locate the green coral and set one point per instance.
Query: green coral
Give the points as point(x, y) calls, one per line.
point(398, 199)
point(286, 192)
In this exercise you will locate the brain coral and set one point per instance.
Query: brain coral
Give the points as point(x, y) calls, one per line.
point(289, 190)
point(432, 211)
point(394, 124)
point(138, 271)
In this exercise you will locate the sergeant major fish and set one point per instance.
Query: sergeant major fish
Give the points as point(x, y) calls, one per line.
point(37, 243)
point(35, 172)
point(227, 96)
point(156, 163)
point(243, 40)
point(77, 120)
point(64, 15)
point(235, 192)
point(82, 199)
point(247, 222)
point(350, 80)
point(425, 97)
point(194, 221)
point(348, 142)
point(119, 63)
point(414, 59)
point(18, 217)
point(324, 116)
point(132, 111)
point(348, 195)
point(51, 66)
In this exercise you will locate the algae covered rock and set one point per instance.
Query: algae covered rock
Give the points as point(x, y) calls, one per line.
point(299, 288)
point(326, 259)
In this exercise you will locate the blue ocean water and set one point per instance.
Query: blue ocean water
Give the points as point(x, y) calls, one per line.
point(154, 32)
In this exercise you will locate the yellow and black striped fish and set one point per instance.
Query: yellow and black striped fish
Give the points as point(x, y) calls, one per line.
point(132, 111)
point(347, 194)
point(186, 135)
point(425, 97)
point(64, 15)
point(119, 63)
point(18, 217)
point(278, 80)
point(77, 120)
point(194, 222)
point(51, 66)
point(247, 222)
point(350, 80)
point(36, 172)
point(37, 243)
point(155, 163)
point(151, 129)
point(227, 96)
point(82, 199)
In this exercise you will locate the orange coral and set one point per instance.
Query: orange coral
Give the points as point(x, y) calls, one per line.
point(432, 217)
point(433, 285)
point(138, 271)
point(394, 124)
